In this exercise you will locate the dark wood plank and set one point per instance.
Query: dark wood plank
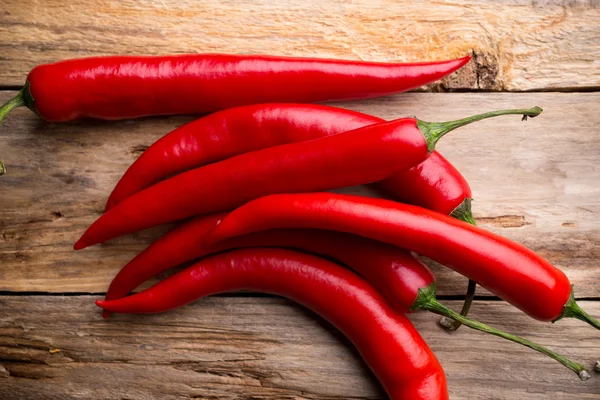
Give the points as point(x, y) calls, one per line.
point(262, 348)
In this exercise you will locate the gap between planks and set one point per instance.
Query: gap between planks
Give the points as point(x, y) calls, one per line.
point(590, 89)
point(249, 295)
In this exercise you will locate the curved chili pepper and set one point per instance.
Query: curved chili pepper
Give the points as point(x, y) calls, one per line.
point(394, 272)
point(360, 156)
point(121, 87)
point(505, 268)
point(232, 132)
point(386, 340)
point(434, 184)
point(367, 257)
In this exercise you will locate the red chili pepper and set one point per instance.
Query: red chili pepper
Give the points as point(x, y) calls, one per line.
point(386, 340)
point(397, 282)
point(120, 87)
point(507, 269)
point(434, 184)
point(392, 271)
point(184, 243)
point(437, 185)
point(363, 155)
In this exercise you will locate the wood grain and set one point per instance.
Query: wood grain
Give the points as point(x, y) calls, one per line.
point(535, 182)
point(262, 348)
point(519, 45)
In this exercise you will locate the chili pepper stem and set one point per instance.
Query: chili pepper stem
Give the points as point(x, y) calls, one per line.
point(15, 102)
point(462, 212)
point(434, 131)
point(452, 324)
point(573, 310)
point(426, 300)
point(23, 98)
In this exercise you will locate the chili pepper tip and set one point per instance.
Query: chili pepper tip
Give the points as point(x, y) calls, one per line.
point(597, 366)
point(79, 244)
point(2, 168)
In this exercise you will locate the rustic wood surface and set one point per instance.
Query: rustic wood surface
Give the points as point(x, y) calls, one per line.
point(59, 178)
point(261, 348)
point(537, 182)
point(519, 44)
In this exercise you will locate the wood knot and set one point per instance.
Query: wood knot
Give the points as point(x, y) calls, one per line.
point(481, 73)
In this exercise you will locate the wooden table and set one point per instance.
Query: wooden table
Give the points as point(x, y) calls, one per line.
point(536, 182)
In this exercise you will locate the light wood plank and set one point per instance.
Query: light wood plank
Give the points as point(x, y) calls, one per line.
point(535, 182)
point(267, 348)
point(519, 45)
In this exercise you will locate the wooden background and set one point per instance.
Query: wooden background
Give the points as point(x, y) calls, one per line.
point(536, 182)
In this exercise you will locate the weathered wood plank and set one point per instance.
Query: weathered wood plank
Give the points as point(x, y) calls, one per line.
point(519, 45)
point(267, 348)
point(535, 182)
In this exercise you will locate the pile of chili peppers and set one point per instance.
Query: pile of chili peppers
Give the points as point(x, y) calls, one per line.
point(249, 181)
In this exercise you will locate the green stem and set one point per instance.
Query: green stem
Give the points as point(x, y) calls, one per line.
point(452, 324)
point(434, 131)
point(15, 102)
point(426, 300)
point(23, 98)
point(462, 212)
point(572, 310)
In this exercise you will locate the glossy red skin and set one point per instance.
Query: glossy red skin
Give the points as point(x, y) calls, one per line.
point(391, 270)
point(433, 184)
point(507, 269)
point(120, 87)
point(385, 338)
point(184, 243)
point(326, 163)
